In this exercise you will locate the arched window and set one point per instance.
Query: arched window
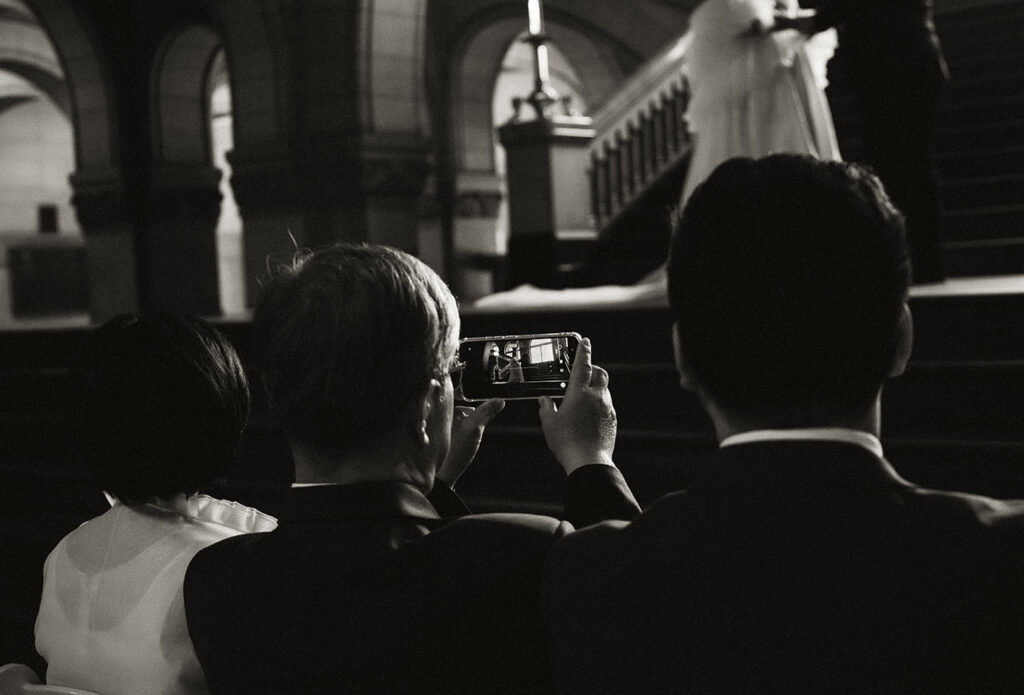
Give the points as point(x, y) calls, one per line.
point(229, 226)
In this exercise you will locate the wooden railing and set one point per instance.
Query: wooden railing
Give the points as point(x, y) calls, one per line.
point(624, 165)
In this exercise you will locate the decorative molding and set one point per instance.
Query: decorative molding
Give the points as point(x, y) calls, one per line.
point(262, 184)
point(394, 174)
point(658, 76)
point(478, 204)
point(100, 202)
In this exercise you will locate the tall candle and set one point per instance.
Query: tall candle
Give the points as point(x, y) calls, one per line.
point(536, 16)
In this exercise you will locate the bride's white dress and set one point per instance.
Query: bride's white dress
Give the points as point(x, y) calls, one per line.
point(751, 95)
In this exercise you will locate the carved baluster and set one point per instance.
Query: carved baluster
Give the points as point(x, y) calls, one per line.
point(621, 167)
point(658, 117)
point(594, 175)
point(646, 135)
point(634, 154)
point(613, 175)
point(606, 180)
point(675, 118)
point(684, 104)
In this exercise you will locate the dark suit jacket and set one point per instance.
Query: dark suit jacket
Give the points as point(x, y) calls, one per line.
point(890, 43)
point(796, 567)
point(367, 589)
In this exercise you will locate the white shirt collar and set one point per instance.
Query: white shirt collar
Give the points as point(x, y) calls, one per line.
point(838, 434)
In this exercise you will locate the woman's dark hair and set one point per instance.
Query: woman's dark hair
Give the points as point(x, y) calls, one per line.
point(157, 405)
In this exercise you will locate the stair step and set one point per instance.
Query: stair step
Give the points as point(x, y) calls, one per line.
point(950, 400)
point(983, 85)
point(514, 465)
point(972, 400)
point(984, 257)
point(973, 224)
point(983, 191)
point(992, 12)
point(994, 108)
point(987, 134)
point(981, 162)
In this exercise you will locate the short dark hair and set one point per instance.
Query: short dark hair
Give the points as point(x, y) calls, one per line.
point(787, 277)
point(157, 405)
point(346, 335)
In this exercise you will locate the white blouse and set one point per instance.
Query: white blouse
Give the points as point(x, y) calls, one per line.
point(112, 615)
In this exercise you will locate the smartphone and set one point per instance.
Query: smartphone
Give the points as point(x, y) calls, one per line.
point(517, 367)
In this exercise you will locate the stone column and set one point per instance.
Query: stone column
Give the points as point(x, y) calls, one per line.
point(480, 246)
point(267, 192)
point(395, 169)
point(178, 246)
point(110, 251)
point(344, 190)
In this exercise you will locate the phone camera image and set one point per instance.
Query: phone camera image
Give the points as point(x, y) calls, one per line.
point(517, 366)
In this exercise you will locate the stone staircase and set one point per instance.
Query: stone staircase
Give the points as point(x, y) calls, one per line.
point(979, 137)
point(979, 157)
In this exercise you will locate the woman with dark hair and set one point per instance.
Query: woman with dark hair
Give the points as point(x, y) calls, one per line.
point(156, 409)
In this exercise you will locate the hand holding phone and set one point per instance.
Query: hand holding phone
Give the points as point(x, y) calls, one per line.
point(467, 432)
point(582, 430)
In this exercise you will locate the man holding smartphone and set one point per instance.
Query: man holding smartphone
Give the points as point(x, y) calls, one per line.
point(378, 579)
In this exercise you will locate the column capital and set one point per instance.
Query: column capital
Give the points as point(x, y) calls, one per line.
point(184, 193)
point(262, 179)
point(100, 200)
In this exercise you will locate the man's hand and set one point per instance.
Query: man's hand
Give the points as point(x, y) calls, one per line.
point(581, 431)
point(467, 432)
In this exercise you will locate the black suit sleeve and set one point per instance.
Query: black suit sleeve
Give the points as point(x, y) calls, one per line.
point(598, 493)
point(446, 501)
point(829, 14)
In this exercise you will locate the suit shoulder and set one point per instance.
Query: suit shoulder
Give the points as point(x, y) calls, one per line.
point(1005, 515)
point(226, 553)
point(507, 527)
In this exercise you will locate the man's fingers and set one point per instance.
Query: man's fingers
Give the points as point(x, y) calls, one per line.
point(582, 367)
point(486, 411)
point(599, 380)
point(546, 406)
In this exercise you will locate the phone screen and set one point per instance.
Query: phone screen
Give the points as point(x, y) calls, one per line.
point(517, 366)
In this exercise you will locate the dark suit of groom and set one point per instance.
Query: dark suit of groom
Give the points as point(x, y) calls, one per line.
point(897, 69)
point(799, 562)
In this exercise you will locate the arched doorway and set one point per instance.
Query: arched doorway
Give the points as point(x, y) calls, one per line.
point(191, 132)
point(42, 267)
point(494, 67)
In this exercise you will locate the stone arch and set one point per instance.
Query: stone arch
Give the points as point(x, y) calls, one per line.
point(393, 39)
point(476, 67)
point(26, 51)
point(181, 131)
point(183, 196)
point(87, 84)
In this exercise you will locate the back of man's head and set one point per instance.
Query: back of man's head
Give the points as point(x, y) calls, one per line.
point(347, 335)
point(787, 278)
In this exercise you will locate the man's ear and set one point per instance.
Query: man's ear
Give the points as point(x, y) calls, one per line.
point(421, 409)
point(686, 379)
point(904, 342)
